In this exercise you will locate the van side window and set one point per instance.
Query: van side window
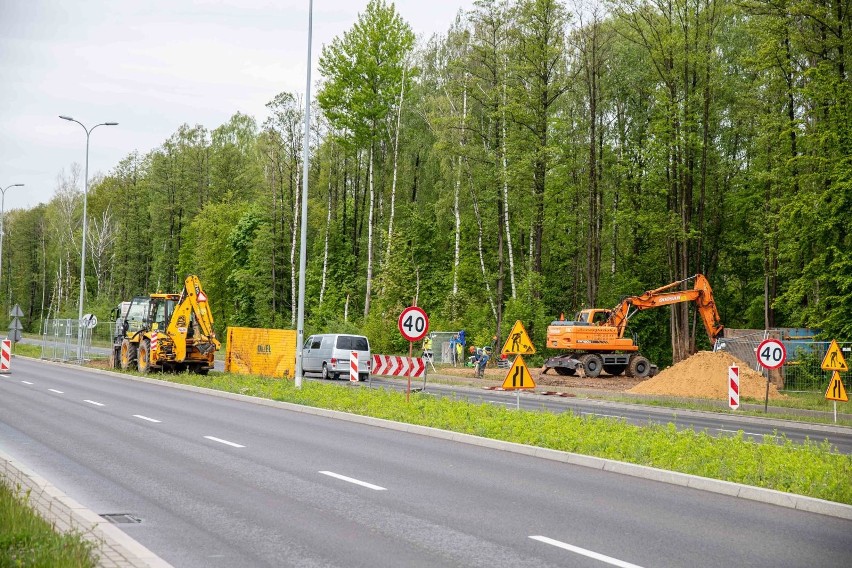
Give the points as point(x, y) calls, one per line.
point(344, 342)
point(315, 344)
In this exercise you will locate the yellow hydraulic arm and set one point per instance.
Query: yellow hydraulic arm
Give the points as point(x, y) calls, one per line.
point(192, 318)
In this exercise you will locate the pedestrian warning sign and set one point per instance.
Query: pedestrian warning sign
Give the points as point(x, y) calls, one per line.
point(835, 390)
point(833, 360)
point(519, 376)
point(518, 342)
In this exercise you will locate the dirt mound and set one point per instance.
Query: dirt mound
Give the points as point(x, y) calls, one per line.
point(705, 375)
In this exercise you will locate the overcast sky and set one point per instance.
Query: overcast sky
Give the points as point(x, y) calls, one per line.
point(151, 66)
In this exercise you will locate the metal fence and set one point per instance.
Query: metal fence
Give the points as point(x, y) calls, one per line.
point(60, 340)
point(442, 347)
point(801, 372)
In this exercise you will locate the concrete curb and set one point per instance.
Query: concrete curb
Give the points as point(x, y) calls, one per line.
point(115, 548)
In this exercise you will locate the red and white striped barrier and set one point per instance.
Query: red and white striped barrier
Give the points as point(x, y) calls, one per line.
point(154, 341)
point(734, 387)
point(353, 366)
point(6, 356)
point(398, 366)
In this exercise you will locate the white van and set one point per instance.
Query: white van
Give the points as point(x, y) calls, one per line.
point(328, 354)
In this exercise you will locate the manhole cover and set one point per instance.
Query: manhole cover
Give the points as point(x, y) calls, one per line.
point(122, 518)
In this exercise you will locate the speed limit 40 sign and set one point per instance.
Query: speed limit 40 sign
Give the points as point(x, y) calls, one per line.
point(771, 354)
point(413, 323)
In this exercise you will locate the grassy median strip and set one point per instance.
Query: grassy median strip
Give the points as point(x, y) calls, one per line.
point(27, 540)
point(774, 463)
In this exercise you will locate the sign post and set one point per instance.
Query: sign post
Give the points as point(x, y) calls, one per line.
point(771, 354)
point(413, 324)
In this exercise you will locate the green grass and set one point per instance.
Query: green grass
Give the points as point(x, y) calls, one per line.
point(28, 541)
point(26, 350)
point(806, 469)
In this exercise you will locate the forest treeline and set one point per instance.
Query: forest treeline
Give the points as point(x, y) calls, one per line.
point(537, 158)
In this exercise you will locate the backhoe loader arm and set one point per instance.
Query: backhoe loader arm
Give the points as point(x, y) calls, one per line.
point(701, 294)
point(193, 319)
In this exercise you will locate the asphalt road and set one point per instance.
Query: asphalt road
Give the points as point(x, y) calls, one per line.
point(218, 482)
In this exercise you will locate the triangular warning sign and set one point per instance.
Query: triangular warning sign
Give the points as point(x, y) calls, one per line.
point(835, 390)
point(202, 297)
point(518, 342)
point(833, 360)
point(519, 376)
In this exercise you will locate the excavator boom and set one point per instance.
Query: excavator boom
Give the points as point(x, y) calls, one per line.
point(701, 294)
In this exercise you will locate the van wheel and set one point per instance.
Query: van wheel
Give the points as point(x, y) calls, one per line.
point(325, 374)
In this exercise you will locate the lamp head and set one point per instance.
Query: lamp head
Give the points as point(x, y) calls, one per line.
point(110, 123)
point(65, 117)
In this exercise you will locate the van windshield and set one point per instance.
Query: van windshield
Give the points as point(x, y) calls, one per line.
point(352, 343)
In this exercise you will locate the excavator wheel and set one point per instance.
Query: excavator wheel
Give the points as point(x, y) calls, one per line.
point(143, 356)
point(128, 355)
point(614, 370)
point(592, 364)
point(565, 371)
point(639, 367)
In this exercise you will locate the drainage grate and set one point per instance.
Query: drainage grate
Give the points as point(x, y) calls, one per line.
point(121, 518)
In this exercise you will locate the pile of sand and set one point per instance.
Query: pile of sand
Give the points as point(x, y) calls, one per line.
point(705, 375)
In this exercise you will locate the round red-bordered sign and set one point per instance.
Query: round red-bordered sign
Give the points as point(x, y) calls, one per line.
point(771, 353)
point(413, 323)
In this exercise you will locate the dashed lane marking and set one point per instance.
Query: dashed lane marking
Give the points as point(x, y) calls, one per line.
point(27, 382)
point(56, 391)
point(226, 442)
point(93, 402)
point(352, 480)
point(139, 416)
point(584, 552)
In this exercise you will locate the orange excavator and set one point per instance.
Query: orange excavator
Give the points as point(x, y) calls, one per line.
point(595, 338)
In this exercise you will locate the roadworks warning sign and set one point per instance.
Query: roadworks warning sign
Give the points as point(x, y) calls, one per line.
point(833, 360)
point(518, 342)
point(519, 376)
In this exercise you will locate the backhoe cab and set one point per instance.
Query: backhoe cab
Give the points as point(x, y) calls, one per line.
point(171, 332)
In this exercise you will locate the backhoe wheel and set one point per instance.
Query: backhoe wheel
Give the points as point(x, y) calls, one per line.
point(614, 370)
point(565, 371)
point(128, 354)
point(143, 356)
point(640, 367)
point(115, 357)
point(592, 364)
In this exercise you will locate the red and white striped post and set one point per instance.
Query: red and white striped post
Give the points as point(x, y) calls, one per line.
point(6, 356)
point(734, 387)
point(353, 366)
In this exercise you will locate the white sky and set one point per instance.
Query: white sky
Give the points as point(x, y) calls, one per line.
point(151, 66)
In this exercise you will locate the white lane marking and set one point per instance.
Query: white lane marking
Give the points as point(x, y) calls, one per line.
point(93, 402)
point(599, 414)
point(584, 552)
point(146, 418)
point(56, 391)
point(27, 382)
point(226, 442)
point(746, 433)
point(351, 480)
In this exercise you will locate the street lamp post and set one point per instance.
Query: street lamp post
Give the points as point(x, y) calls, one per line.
point(83, 254)
point(2, 225)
